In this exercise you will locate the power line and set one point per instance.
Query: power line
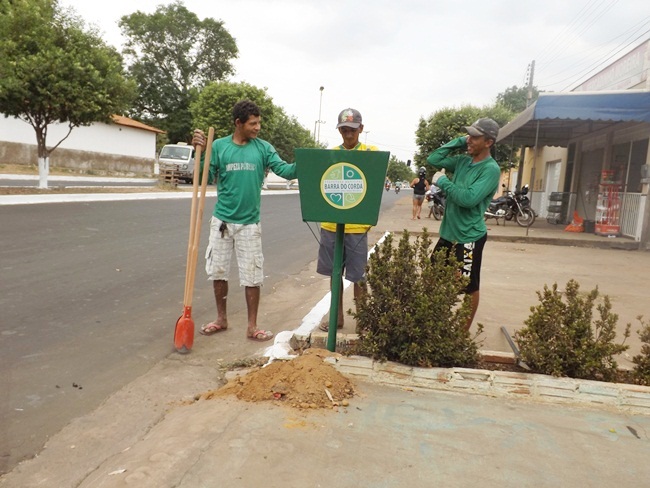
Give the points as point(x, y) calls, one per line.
point(632, 32)
point(587, 61)
point(577, 35)
point(597, 65)
point(607, 59)
point(576, 19)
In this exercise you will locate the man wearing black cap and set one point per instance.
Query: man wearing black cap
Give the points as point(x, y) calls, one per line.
point(474, 182)
point(355, 244)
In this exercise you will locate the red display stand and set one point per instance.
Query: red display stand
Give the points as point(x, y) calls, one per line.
point(608, 207)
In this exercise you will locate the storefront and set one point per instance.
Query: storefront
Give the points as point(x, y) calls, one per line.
point(606, 139)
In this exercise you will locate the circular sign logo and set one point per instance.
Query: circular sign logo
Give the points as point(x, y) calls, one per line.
point(343, 186)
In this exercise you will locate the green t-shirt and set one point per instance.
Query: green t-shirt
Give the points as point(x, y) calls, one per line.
point(468, 193)
point(239, 173)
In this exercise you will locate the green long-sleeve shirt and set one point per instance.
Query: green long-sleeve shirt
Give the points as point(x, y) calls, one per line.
point(468, 192)
point(239, 173)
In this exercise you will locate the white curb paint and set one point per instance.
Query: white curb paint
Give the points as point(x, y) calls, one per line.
point(112, 197)
point(281, 348)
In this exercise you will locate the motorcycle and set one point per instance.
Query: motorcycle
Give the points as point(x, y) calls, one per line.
point(387, 186)
point(436, 203)
point(524, 202)
point(512, 205)
point(397, 189)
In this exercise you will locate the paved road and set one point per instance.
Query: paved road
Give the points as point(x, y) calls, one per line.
point(90, 293)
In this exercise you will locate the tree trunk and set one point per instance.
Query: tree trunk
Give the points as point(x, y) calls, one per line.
point(43, 156)
point(43, 171)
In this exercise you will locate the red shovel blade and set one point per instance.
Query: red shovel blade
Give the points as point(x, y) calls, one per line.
point(184, 332)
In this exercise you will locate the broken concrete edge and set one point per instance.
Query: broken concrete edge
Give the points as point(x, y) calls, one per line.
point(634, 399)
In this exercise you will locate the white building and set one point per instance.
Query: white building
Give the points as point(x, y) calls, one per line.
point(126, 145)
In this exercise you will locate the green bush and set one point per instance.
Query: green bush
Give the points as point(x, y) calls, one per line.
point(642, 361)
point(560, 339)
point(413, 313)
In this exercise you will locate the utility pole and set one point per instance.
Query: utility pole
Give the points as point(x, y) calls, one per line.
point(320, 106)
point(529, 100)
point(531, 75)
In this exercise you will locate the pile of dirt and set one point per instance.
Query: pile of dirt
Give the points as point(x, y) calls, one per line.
point(304, 382)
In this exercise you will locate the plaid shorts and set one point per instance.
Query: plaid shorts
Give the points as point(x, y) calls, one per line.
point(246, 240)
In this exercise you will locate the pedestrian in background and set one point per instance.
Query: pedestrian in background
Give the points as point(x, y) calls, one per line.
point(420, 186)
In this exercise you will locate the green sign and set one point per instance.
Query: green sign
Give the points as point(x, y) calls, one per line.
point(343, 187)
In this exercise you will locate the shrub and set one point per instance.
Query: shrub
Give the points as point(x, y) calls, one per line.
point(413, 313)
point(559, 338)
point(642, 361)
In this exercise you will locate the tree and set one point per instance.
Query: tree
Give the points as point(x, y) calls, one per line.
point(53, 70)
point(398, 171)
point(172, 55)
point(288, 134)
point(515, 98)
point(448, 123)
point(213, 107)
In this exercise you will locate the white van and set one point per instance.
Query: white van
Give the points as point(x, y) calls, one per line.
point(178, 157)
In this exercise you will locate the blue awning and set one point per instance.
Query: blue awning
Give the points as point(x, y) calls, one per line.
point(556, 118)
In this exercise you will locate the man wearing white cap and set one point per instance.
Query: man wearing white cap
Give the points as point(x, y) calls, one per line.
point(474, 182)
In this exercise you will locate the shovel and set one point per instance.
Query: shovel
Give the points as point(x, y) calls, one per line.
point(184, 331)
point(515, 349)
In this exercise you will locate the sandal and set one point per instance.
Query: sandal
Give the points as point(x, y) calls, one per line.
point(261, 335)
point(211, 328)
point(325, 326)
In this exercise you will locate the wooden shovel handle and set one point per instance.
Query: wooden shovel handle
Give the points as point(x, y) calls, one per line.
point(199, 216)
point(195, 187)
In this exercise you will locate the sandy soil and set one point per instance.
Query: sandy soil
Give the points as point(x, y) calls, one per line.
point(305, 382)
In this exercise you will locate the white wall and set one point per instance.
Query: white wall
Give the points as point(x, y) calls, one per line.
point(102, 138)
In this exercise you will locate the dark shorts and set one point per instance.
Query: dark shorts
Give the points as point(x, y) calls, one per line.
point(469, 257)
point(355, 255)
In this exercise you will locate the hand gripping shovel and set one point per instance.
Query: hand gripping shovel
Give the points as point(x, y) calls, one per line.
point(184, 331)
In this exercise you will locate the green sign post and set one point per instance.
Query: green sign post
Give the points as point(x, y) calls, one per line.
point(343, 187)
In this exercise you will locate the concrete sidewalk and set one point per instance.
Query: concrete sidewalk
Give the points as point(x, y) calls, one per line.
point(541, 232)
point(153, 434)
point(387, 437)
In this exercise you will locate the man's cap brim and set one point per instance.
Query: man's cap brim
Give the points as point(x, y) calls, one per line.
point(353, 125)
point(473, 131)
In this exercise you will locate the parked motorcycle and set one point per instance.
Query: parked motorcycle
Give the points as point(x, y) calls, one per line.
point(512, 205)
point(524, 202)
point(436, 203)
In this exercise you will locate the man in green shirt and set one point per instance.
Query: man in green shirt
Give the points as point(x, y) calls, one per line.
point(474, 182)
point(238, 165)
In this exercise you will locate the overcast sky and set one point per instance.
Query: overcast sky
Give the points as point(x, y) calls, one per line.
point(399, 60)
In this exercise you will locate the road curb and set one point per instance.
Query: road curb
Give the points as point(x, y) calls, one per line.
point(619, 244)
point(626, 398)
